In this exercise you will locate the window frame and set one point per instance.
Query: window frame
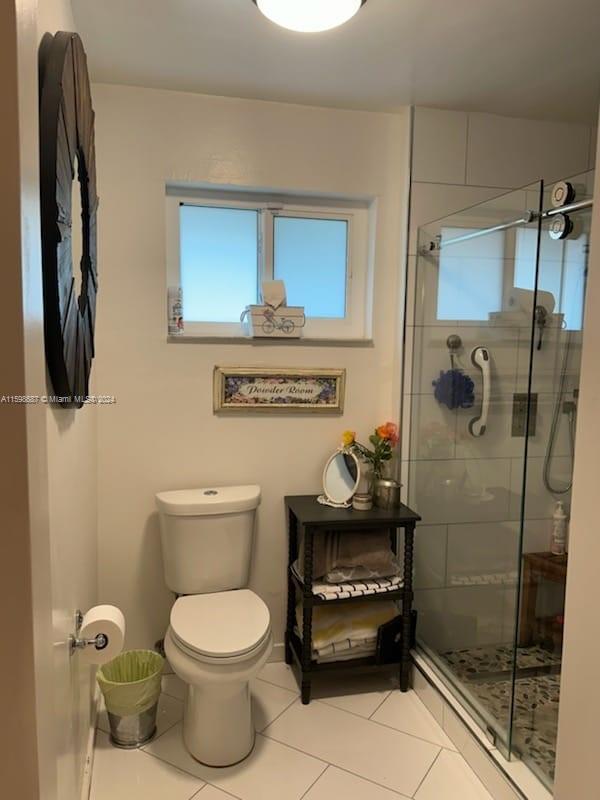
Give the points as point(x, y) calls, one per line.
point(359, 273)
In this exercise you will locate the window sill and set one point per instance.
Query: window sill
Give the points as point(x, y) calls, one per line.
point(305, 341)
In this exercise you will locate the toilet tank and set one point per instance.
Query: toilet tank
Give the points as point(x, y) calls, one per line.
point(207, 536)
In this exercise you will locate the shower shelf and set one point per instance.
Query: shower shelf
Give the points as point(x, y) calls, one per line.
point(305, 513)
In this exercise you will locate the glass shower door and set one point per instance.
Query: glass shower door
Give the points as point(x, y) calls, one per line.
point(555, 374)
point(467, 406)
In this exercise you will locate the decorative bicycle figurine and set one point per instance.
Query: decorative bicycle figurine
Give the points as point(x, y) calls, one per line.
point(272, 323)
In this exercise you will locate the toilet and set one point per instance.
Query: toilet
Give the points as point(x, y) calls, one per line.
point(219, 636)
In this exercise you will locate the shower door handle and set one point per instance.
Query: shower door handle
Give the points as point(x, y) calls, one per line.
point(481, 358)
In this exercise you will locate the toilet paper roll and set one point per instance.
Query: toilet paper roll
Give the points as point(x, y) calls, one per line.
point(109, 621)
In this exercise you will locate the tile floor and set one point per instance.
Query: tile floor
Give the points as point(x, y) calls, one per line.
point(360, 739)
point(486, 672)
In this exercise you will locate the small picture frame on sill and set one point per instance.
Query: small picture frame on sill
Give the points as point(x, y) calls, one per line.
point(278, 390)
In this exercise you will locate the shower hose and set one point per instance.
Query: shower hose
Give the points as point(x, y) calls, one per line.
point(554, 428)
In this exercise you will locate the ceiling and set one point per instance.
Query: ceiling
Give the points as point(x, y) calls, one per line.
point(538, 59)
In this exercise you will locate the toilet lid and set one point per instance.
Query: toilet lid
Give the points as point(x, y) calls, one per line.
point(221, 625)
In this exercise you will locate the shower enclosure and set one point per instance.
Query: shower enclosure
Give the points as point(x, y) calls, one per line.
point(494, 332)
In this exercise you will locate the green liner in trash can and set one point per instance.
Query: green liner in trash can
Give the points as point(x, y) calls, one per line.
point(131, 686)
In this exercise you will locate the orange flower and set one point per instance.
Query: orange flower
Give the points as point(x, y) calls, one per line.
point(348, 438)
point(389, 431)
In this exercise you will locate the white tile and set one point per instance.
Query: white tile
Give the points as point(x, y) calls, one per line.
point(455, 729)
point(135, 775)
point(433, 429)
point(382, 755)
point(498, 439)
point(439, 145)
point(483, 766)
point(212, 793)
point(431, 357)
point(431, 201)
point(174, 686)
point(539, 503)
point(430, 556)
point(270, 772)
point(471, 490)
point(279, 674)
point(510, 152)
point(336, 784)
point(452, 779)
point(485, 549)
point(548, 362)
point(524, 778)
point(428, 695)
point(406, 713)
point(461, 616)
point(268, 701)
point(358, 694)
point(170, 711)
point(536, 535)
point(461, 732)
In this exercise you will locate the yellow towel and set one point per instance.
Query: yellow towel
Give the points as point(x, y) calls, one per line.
point(352, 621)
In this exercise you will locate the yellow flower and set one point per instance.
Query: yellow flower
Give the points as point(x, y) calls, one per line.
point(348, 438)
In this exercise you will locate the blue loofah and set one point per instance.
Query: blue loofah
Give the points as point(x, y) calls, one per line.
point(454, 389)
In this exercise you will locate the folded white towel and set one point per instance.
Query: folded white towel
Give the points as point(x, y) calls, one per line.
point(356, 622)
point(358, 651)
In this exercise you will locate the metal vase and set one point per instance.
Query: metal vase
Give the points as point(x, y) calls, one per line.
point(386, 493)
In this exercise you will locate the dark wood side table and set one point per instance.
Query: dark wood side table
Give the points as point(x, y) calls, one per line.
point(537, 567)
point(306, 515)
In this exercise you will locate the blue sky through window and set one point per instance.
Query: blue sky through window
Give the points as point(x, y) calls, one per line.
point(219, 262)
point(311, 256)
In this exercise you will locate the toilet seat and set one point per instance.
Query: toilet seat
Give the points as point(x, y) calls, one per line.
point(222, 626)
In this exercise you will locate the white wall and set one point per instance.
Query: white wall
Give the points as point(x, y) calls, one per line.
point(460, 159)
point(577, 752)
point(161, 433)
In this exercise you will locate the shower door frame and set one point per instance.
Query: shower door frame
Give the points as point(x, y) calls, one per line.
point(500, 735)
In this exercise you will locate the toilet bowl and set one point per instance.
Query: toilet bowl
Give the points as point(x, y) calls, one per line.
point(219, 635)
point(216, 643)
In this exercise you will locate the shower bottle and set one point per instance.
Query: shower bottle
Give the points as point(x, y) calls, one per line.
point(559, 530)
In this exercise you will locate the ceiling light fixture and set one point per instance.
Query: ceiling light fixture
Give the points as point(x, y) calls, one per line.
point(309, 16)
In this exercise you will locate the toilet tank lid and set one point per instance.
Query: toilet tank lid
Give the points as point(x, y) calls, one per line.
point(210, 500)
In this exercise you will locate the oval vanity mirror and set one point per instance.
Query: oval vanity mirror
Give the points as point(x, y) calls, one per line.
point(341, 477)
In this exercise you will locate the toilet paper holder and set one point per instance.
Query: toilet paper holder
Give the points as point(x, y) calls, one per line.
point(99, 642)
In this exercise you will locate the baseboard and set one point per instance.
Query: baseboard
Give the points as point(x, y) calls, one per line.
point(88, 767)
point(504, 780)
point(278, 653)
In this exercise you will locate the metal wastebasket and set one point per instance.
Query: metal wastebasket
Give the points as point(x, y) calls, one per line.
point(131, 685)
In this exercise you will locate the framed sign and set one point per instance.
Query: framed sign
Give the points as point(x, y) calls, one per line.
point(239, 389)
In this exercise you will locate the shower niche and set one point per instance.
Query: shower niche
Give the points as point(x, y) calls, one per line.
point(507, 279)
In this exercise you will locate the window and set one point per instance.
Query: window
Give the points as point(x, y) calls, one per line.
point(562, 271)
point(311, 256)
point(470, 282)
point(222, 245)
point(219, 261)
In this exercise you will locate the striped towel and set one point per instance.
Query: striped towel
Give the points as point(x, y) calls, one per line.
point(340, 591)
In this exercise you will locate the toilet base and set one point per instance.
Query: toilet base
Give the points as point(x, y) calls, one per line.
point(218, 729)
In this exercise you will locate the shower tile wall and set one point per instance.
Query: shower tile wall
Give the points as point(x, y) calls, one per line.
point(460, 159)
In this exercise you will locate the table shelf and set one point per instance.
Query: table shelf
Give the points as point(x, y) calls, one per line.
point(306, 515)
point(396, 595)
